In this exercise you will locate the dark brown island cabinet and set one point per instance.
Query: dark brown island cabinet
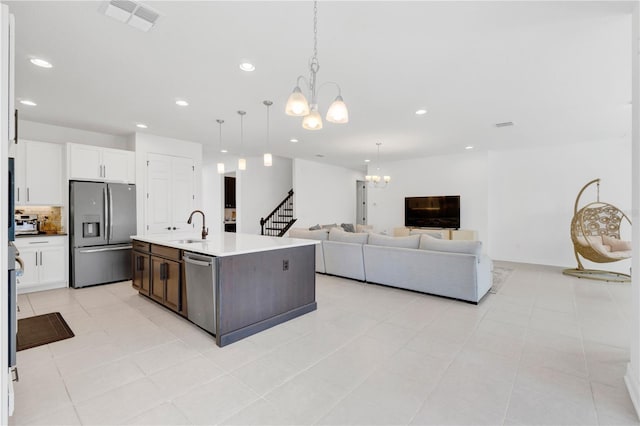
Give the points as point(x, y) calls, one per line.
point(158, 274)
point(253, 289)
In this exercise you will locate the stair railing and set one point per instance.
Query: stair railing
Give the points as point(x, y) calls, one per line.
point(278, 222)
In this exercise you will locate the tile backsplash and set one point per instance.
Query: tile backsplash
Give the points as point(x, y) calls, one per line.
point(50, 218)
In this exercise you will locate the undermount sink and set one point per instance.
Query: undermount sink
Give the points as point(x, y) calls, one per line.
point(186, 241)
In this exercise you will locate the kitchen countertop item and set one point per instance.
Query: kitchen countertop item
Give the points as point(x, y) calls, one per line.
point(224, 244)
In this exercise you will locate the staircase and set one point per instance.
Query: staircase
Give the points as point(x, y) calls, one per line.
point(280, 219)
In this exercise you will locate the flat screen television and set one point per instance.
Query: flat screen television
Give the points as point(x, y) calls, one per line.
point(432, 212)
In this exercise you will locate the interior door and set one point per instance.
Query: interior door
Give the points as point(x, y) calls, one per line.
point(159, 193)
point(182, 189)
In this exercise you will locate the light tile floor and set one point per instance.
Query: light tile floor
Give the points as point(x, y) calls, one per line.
point(547, 349)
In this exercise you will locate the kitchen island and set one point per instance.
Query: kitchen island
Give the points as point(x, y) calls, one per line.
point(255, 282)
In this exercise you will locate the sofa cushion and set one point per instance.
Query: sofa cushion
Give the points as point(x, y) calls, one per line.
point(318, 234)
point(314, 227)
point(412, 241)
point(452, 246)
point(434, 234)
point(348, 227)
point(338, 234)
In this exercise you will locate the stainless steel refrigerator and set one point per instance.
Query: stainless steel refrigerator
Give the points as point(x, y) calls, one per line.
point(102, 217)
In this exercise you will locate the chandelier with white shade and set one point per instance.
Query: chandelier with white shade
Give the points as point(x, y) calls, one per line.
point(221, 164)
point(377, 180)
point(297, 104)
point(268, 159)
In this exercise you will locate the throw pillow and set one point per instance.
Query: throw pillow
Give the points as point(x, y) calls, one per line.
point(331, 225)
point(451, 246)
point(314, 227)
point(364, 228)
point(316, 234)
point(348, 227)
point(339, 235)
point(616, 244)
point(412, 241)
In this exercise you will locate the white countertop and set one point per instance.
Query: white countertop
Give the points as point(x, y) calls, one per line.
point(225, 244)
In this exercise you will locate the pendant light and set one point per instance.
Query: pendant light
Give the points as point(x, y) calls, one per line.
point(297, 104)
point(220, 165)
point(242, 162)
point(268, 159)
point(376, 179)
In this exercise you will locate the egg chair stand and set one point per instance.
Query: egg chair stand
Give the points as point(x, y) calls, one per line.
point(588, 226)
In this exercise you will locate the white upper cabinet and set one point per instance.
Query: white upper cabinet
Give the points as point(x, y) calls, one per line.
point(39, 178)
point(87, 162)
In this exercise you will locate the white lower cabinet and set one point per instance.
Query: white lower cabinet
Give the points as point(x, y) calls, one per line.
point(45, 260)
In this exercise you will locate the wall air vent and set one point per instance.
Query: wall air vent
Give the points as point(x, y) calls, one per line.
point(505, 124)
point(133, 13)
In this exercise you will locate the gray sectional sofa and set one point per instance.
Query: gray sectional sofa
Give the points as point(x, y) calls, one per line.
point(420, 262)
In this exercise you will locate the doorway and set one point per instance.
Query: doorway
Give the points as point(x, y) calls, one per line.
point(361, 202)
point(229, 202)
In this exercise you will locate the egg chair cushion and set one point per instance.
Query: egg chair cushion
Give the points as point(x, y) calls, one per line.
point(616, 244)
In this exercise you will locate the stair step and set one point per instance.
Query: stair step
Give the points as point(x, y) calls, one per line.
point(273, 229)
point(279, 221)
point(288, 210)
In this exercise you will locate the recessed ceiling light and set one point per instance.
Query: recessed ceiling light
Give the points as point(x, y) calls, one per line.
point(141, 125)
point(41, 63)
point(247, 66)
point(366, 161)
point(468, 147)
point(294, 140)
point(182, 102)
point(28, 102)
point(224, 151)
point(421, 112)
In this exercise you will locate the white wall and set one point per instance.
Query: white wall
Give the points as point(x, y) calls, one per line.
point(145, 144)
point(31, 130)
point(532, 193)
point(259, 190)
point(323, 194)
point(463, 174)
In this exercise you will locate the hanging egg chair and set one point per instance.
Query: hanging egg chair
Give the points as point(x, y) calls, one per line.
point(595, 233)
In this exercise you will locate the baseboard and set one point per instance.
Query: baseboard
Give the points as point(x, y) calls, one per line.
point(633, 386)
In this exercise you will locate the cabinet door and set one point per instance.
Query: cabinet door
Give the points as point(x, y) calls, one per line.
point(182, 188)
point(30, 257)
point(157, 279)
point(116, 165)
point(159, 193)
point(141, 276)
point(173, 285)
point(85, 162)
point(44, 173)
point(51, 261)
point(20, 166)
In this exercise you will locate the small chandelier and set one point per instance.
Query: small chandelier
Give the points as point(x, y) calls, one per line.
point(221, 164)
point(242, 162)
point(297, 104)
point(376, 180)
point(268, 159)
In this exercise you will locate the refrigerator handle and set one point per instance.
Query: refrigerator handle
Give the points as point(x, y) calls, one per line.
point(110, 212)
point(106, 220)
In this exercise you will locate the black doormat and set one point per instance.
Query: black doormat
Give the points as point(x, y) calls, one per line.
point(42, 329)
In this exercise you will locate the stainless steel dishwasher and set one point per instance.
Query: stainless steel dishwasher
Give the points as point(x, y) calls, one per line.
point(200, 273)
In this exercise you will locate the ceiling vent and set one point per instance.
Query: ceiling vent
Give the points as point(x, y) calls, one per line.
point(505, 124)
point(133, 13)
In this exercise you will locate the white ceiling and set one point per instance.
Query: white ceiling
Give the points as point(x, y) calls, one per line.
point(560, 70)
